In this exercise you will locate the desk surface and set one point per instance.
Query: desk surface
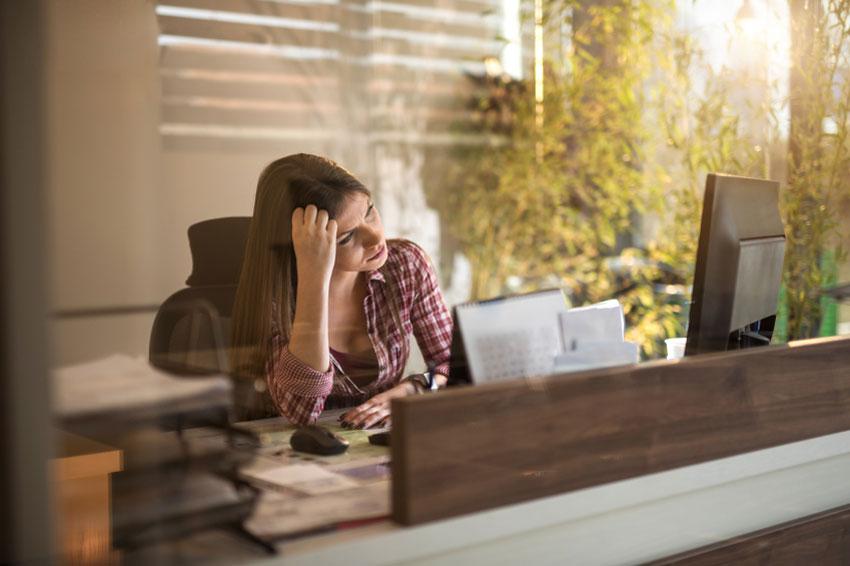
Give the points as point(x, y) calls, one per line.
point(304, 494)
point(81, 472)
point(80, 457)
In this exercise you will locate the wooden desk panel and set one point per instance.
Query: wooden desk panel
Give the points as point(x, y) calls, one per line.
point(83, 496)
point(481, 447)
point(822, 539)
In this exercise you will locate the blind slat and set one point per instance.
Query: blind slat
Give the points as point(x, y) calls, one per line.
point(296, 118)
point(321, 10)
point(324, 34)
point(279, 72)
point(299, 89)
point(187, 57)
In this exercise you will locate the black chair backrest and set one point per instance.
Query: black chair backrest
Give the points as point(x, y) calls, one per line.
point(191, 334)
point(191, 331)
point(217, 246)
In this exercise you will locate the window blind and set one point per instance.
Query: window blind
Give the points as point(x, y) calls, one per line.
point(298, 71)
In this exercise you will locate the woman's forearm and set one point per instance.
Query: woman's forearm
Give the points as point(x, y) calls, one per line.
point(309, 339)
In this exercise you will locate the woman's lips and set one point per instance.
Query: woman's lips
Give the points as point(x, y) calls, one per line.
point(379, 254)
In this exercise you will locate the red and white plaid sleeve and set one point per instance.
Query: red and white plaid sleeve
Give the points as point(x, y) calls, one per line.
point(429, 314)
point(298, 390)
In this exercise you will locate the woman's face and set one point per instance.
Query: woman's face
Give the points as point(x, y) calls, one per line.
point(361, 245)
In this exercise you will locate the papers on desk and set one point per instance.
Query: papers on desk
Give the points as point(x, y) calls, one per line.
point(599, 355)
point(282, 515)
point(535, 334)
point(599, 323)
point(512, 336)
point(172, 483)
point(594, 337)
point(310, 479)
point(129, 386)
point(303, 494)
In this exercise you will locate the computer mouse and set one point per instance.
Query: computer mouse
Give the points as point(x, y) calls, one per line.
point(315, 439)
point(380, 438)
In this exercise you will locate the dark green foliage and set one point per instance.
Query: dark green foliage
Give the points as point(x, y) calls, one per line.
point(604, 196)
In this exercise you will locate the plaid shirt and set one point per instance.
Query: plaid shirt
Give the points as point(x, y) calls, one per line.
point(406, 281)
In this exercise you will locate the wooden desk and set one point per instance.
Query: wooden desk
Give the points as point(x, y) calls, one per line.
point(287, 517)
point(702, 461)
point(696, 461)
point(632, 521)
point(532, 438)
point(82, 484)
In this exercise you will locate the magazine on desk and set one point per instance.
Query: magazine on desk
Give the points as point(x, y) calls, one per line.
point(304, 494)
point(536, 334)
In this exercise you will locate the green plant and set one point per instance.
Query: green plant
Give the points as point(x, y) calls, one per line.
point(701, 133)
point(558, 204)
point(627, 135)
point(555, 199)
point(818, 158)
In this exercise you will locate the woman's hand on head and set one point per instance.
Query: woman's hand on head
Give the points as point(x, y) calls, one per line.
point(376, 411)
point(314, 240)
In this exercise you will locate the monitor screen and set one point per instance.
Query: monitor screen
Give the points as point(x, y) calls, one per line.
point(738, 266)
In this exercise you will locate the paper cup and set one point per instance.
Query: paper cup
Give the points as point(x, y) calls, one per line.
point(675, 348)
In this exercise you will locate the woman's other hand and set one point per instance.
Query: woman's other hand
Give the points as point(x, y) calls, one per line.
point(314, 240)
point(376, 411)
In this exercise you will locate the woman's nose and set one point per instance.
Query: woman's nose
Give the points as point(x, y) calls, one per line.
point(372, 237)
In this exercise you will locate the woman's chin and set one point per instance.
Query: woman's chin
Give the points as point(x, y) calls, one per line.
point(377, 263)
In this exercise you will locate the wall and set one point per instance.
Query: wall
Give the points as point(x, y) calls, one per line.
point(104, 190)
point(126, 180)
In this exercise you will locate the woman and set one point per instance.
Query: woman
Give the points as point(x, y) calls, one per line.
point(326, 304)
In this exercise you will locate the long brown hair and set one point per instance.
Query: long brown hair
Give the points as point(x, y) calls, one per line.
point(268, 283)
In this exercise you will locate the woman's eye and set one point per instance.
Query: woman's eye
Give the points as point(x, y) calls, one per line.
point(345, 240)
point(369, 210)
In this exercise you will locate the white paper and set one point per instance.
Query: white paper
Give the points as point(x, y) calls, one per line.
point(602, 322)
point(598, 355)
point(279, 514)
point(120, 382)
point(535, 334)
point(311, 479)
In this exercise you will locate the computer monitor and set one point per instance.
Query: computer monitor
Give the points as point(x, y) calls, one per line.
point(739, 265)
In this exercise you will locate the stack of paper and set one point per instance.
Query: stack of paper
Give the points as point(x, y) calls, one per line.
point(594, 337)
point(535, 334)
point(175, 479)
point(127, 387)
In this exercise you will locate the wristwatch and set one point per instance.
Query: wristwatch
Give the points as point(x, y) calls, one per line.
point(425, 381)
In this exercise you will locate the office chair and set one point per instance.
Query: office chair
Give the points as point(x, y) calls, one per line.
point(191, 336)
point(191, 333)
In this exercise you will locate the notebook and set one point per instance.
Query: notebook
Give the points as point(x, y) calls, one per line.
point(508, 337)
